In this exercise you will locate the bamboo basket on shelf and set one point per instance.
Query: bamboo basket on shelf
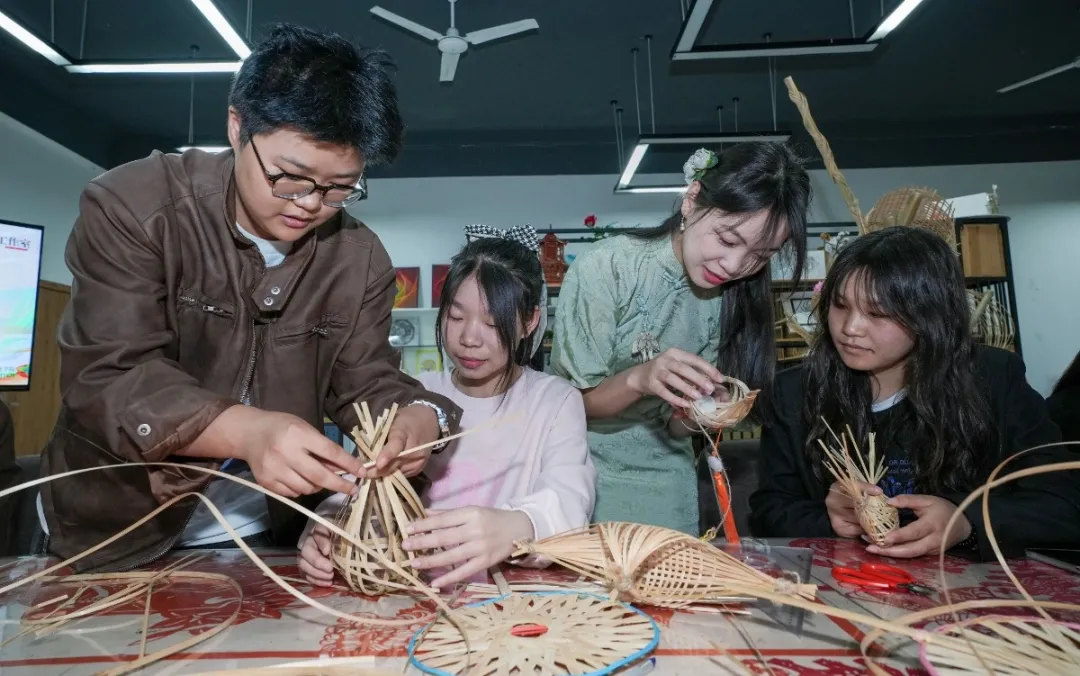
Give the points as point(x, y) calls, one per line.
point(876, 516)
point(378, 514)
point(917, 208)
point(656, 566)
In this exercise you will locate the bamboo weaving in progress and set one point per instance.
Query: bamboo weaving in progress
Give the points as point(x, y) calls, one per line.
point(657, 566)
point(378, 514)
point(877, 517)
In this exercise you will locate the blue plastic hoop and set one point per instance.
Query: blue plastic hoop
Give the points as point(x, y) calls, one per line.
point(601, 672)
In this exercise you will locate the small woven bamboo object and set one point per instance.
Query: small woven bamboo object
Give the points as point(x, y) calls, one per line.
point(876, 516)
point(656, 566)
point(378, 514)
point(711, 414)
point(917, 208)
point(535, 634)
point(1004, 645)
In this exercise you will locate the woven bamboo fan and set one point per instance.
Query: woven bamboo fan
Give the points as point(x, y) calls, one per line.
point(378, 514)
point(1005, 645)
point(711, 414)
point(876, 516)
point(656, 566)
point(917, 208)
point(535, 635)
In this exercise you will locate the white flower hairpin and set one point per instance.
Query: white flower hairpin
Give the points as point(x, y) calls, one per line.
point(695, 167)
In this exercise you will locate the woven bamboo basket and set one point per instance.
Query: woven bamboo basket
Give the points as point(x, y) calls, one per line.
point(711, 414)
point(917, 208)
point(656, 566)
point(876, 516)
point(535, 635)
point(378, 514)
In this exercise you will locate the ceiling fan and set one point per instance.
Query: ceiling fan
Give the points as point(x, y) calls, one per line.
point(453, 44)
point(1041, 76)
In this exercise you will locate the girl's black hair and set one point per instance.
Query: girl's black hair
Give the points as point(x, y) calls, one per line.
point(1069, 380)
point(511, 279)
point(748, 178)
point(913, 277)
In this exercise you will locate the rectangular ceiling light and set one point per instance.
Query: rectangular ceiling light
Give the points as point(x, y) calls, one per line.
point(30, 40)
point(205, 149)
point(895, 18)
point(645, 141)
point(222, 26)
point(686, 50)
point(156, 68)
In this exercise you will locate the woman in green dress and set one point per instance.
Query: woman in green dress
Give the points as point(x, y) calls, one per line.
point(647, 322)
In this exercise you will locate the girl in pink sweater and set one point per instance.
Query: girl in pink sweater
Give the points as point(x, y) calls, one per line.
point(529, 478)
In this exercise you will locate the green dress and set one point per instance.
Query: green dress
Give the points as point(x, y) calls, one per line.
point(623, 302)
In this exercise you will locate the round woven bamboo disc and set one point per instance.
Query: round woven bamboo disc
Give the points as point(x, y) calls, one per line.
point(577, 634)
point(1005, 645)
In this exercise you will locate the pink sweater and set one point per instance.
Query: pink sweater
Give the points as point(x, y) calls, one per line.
point(538, 463)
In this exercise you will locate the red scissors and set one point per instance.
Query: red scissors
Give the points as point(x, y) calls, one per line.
point(880, 576)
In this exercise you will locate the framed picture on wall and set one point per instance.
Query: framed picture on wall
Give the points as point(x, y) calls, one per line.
point(438, 278)
point(407, 281)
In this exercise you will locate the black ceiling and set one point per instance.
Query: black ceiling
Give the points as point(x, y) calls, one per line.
point(539, 103)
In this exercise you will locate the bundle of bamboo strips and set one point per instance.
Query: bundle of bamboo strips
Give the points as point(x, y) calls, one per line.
point(876, 516)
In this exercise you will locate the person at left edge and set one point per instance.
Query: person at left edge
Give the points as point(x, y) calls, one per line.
point(222, 304)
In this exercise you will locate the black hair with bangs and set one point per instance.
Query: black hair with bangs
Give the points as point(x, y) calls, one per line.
point(511, 281)
point(749, 178)
point(913, 277)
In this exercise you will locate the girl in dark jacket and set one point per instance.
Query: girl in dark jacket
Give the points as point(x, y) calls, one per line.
point(896, 359)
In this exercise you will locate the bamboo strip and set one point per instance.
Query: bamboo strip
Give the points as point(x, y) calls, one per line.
point(822, 143)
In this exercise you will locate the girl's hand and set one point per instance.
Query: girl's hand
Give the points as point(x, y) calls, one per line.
point(923, 536)
point(315, 558)
point(841, 508)
point(675, 376)
point(473, 540)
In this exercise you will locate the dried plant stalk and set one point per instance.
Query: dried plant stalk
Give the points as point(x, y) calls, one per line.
point(1005, 645)
point(803, 105)
point(876, 516)
point(656, 566)
point(572, 634)
point(711, 414)
point(378, 514)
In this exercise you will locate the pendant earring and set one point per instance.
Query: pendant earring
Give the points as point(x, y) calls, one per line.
point(682, 224)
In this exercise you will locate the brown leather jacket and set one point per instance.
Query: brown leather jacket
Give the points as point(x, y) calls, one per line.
point(173, 318)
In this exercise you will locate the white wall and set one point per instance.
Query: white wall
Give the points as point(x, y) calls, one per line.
point(40, 184)
point(420, 221)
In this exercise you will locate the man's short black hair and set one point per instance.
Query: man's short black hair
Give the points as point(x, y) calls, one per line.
point(322, 85)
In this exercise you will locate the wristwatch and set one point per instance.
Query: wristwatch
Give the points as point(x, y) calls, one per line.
point(440, 416)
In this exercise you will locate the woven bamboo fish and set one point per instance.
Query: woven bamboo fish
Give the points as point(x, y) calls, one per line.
point(656, 566)
point(877, 517)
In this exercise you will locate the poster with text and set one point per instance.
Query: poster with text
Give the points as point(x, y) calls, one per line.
point(20, 268)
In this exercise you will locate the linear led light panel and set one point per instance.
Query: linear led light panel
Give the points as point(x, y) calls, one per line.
point(685, 50)
point(207, 149)
point(223, 27)
point(646, 140)
point(155, 68)
point(16, 30)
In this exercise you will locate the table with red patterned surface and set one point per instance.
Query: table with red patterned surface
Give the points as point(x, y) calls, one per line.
point(274, 627)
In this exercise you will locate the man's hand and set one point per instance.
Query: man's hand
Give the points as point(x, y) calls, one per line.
point(287, 455)
point(413, 426)
point(841, 508)
point(314, 558)
point(473, 539)
point(923, 536)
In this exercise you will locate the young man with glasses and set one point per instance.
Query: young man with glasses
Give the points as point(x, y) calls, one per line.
point(221, 305)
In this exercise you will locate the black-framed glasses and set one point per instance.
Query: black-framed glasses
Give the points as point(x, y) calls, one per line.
point(292, 187)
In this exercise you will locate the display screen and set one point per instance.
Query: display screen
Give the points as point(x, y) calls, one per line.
point(20, 271)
